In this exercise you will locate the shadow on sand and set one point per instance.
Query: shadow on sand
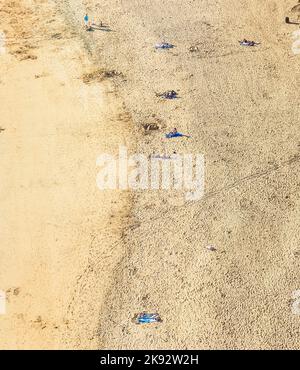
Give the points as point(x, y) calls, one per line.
point(289, 21)
point(101, 27)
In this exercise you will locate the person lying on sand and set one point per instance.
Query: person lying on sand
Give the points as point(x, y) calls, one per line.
point(248, 43)
point(175, 133)
point(148, 318)
point(163, 45)
point(171, 94)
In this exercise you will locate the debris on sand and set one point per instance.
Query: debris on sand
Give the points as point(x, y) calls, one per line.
point(211, 248)
point(152, 123)
point(193, 48)
point(100, 75)
point(23, 52)
point(2, 129)
point(27, 57)
point(56, 36)
point(151, 126)
point(40, 75)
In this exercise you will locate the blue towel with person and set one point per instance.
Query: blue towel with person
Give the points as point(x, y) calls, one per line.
point(148, 318)
point(175, 133)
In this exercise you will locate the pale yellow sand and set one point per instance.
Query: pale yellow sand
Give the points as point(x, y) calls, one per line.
point(60, 236)
point(240, 106)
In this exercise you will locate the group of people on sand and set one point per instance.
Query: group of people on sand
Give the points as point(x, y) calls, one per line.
point(89, 25)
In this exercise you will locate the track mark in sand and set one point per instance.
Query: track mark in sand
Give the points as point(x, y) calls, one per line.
point(241, 181)
point(81, 280)
point(257, 175)
point(232, 53)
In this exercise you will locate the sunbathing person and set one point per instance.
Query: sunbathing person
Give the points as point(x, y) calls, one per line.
point(175, 133)
point(171, 94)
point(248, 43)
point(148, 318)
point(163, 45)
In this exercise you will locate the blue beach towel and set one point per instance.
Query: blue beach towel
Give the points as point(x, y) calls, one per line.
point(164, 45)
point(170, 135)
point(147, 318)
point(175, 134)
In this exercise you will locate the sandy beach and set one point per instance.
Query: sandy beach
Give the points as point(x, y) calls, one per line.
point(77, 264)
point(60, 236)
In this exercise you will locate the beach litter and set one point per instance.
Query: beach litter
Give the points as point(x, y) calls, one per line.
point(56, 36)
point(193, 49)
point(163, 45)
point(211, 248)
point(148, 318)
point(151, 126)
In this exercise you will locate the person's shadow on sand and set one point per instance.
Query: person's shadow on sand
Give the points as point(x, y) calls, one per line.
point(99, 27)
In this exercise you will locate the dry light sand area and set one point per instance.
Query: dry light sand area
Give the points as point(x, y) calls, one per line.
point(76, 263)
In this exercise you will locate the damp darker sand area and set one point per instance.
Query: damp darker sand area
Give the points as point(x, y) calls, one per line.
point(78, 264)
